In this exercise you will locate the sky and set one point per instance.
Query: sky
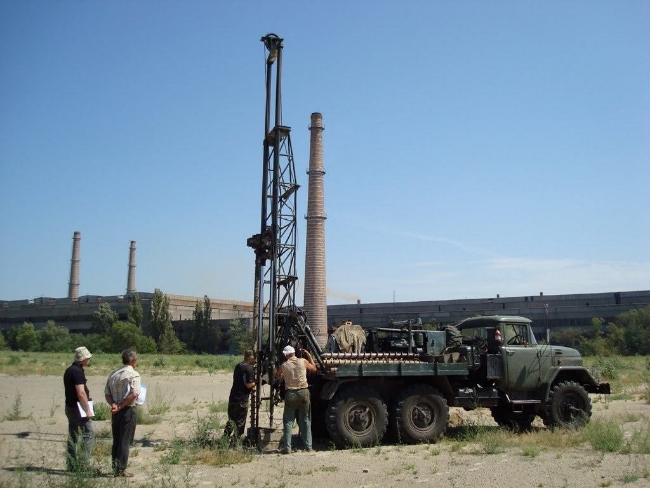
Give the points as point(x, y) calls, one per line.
point(471, 148)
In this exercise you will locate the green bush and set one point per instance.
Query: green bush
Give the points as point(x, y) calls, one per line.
point(605, 436)
point(102, 411)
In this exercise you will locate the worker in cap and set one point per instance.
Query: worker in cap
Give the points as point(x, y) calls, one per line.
point(243, 382)
point(296, 401)
point(79, 411)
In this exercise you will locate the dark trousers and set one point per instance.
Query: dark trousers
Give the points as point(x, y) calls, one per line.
point(123, 426)
point(81, 439)
point(237, 413)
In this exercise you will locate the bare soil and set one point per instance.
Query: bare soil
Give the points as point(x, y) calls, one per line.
point(32, 449)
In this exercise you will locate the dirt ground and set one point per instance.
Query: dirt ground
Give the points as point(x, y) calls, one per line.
point(32, 449)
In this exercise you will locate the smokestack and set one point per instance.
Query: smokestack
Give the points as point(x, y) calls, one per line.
point(73, 284)
point(315, 289)
point(130, 283)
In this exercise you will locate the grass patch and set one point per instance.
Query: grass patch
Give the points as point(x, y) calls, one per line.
point(102, 448)
point(626, 374)
point(604, 435)
point(54, 363)
point(218, 407)
point(531, 451)
point(639, 443)
point(102, 411)
point(206, 447)
point(105, 433)
point(144, 418)
point(159, 402)
point(620, 396)
point(16, 412)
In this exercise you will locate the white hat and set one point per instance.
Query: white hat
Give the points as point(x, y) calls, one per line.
point(81, 353)
point(288, 350)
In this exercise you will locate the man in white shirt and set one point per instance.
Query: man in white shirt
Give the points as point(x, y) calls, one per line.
point(296, 400)
point(122, 389)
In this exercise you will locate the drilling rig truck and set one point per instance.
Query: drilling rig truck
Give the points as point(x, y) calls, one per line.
point(403, 379)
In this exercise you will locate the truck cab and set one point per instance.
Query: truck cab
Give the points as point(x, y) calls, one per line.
point(531, 376)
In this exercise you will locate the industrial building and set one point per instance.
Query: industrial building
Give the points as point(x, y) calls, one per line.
point(546, 311)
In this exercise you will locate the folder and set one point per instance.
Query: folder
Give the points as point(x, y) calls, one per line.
point(82, 412)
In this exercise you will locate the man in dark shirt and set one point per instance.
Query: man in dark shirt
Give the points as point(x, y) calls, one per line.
point(243, 382)
point(81, 436)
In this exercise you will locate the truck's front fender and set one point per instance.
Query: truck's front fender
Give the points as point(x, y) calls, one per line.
point(574, 373)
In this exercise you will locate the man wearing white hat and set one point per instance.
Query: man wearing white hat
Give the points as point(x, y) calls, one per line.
point(296, 400)
point(81, 436)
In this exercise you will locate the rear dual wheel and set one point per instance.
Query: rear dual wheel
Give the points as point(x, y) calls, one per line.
point(357, 416)
point(420, 414)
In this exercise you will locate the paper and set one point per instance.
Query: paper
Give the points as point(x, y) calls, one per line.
point(82, 412)
point(142, 396)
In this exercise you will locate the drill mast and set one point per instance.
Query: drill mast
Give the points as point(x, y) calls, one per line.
point(275, 245)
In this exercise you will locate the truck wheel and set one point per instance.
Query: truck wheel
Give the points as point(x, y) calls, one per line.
point(421, 414)
point(357, 416)
point(505, 417)
point(568, 406)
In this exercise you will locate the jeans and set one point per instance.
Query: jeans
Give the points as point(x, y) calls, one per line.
point(123, 427)
point(297, 401)
point(81, 440)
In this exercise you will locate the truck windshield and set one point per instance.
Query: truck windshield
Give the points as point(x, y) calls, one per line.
point(517, 334)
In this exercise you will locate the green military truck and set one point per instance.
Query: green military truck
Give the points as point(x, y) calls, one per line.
point(405, 380)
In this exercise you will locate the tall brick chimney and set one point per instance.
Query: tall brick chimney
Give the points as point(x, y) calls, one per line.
point(130, 282)
point(73, 284)
point(315, 295)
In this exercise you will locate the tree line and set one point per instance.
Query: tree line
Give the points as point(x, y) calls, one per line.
point(111, 335)
point(627, 335)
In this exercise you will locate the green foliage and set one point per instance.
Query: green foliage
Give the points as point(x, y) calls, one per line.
point(568, 337)
point(135, 312)
point(159, 315)
point(124, 335)
point(168, 343)
point(160, 325)
point(103, 318)
point(206, 336)
point(607, 368)
point(103, 362)
point(240, 336)
point(3, 341)
point(16, 412)
point(102, 411)
point(605, 435)
point(159, 401)
point(24, 338)
point(54, 338)
point(640, 441)
point(636, 324)
point(628, 335)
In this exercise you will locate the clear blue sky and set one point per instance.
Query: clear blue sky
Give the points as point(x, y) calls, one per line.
point(471, 148)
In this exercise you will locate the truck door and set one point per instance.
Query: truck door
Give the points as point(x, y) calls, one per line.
point(521, 360)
